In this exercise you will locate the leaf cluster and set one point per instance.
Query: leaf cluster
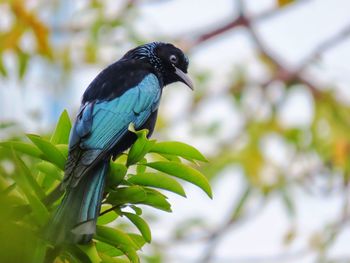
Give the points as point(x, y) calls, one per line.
point(30, 193)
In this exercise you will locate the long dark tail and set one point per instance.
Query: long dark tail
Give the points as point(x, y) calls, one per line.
point(75, 219)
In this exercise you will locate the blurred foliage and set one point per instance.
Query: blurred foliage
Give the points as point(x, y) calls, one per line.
point(29, 193)
point(316, 153)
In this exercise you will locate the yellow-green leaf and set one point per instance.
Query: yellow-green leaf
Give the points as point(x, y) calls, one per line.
point(117, 172)
point(107, 217)
point(27, 184)
point(51, 152)
point(141, 225)
point(159, 181)
point(178, 149)
point(139, 148)
point(156, 200)
point(62, 130)
point(91, 251)
point(184, 172)
point(114, 237)
point(23, 147)
point(124, 195)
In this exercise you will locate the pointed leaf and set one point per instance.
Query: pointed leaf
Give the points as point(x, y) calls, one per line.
point(23, 148)
point(50, 151)
point(130, 253)
point(184, 172)
point(91, 251)
point(139, 148)
point(156, 200)
point(31, 182)
point(26, 184)
point(63, 148)
point(62, 130)
point(137, 210)
point(107, 217)
point(118, 239)
point(114, 237)
point(123, 195)
point(178, 149)
point(109, 250)
point(50, 170)
point(78, 255)
point(159, 181)
point(108, 259)
point(138, 239)
point(117, 172)
point(141, 225)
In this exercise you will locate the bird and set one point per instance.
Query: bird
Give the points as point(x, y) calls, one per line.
point(126, 92)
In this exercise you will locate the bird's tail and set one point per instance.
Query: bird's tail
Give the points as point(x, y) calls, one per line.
point(75, 219)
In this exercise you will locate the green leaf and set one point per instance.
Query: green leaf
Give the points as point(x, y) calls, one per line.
point(124, 195)
point(31, 182)
point(171, 157)
point(138, 239)
point(114, 237)
point(130, 253)
point(141, 225)
point(139, 148)
point(50, 170)
point(62, 130)
point(178, 149)
point(140, 168)
point(156, 200)
point(91, 251)
point(107, 217)
point(184, 172)
point(50, 151)
point(8, 190)
point(63, 148)
point(108, 259)
point(137, 210)
point(78, 255)
point(23, 147)
point(138, 195)
point(27, 184)
point(118, 239)
point(159, 181)
point(108, 249)
point(117, 172)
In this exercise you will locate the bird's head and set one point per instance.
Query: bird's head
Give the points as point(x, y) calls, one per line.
point(166, 59)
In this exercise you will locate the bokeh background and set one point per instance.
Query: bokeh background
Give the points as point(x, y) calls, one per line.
point(270, 111)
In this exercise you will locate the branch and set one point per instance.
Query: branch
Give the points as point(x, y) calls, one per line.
point(282, 72)
point(240, 20)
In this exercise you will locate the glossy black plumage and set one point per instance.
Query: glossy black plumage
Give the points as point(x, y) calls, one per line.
point(128, 91)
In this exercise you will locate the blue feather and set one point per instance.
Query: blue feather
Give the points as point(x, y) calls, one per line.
point(100, 125)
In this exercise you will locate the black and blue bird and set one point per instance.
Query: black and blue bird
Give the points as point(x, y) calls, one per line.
point(127, 91)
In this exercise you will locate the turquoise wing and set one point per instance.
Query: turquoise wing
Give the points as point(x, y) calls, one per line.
point(102, 125)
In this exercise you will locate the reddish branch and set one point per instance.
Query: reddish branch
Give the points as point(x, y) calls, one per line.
point(282, 72)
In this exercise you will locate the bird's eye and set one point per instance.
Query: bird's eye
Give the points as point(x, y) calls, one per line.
point(173, 59)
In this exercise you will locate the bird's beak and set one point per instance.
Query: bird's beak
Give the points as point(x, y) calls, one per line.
point(184, 78)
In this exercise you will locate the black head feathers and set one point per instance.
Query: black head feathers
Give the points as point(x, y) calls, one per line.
point(166, 59)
